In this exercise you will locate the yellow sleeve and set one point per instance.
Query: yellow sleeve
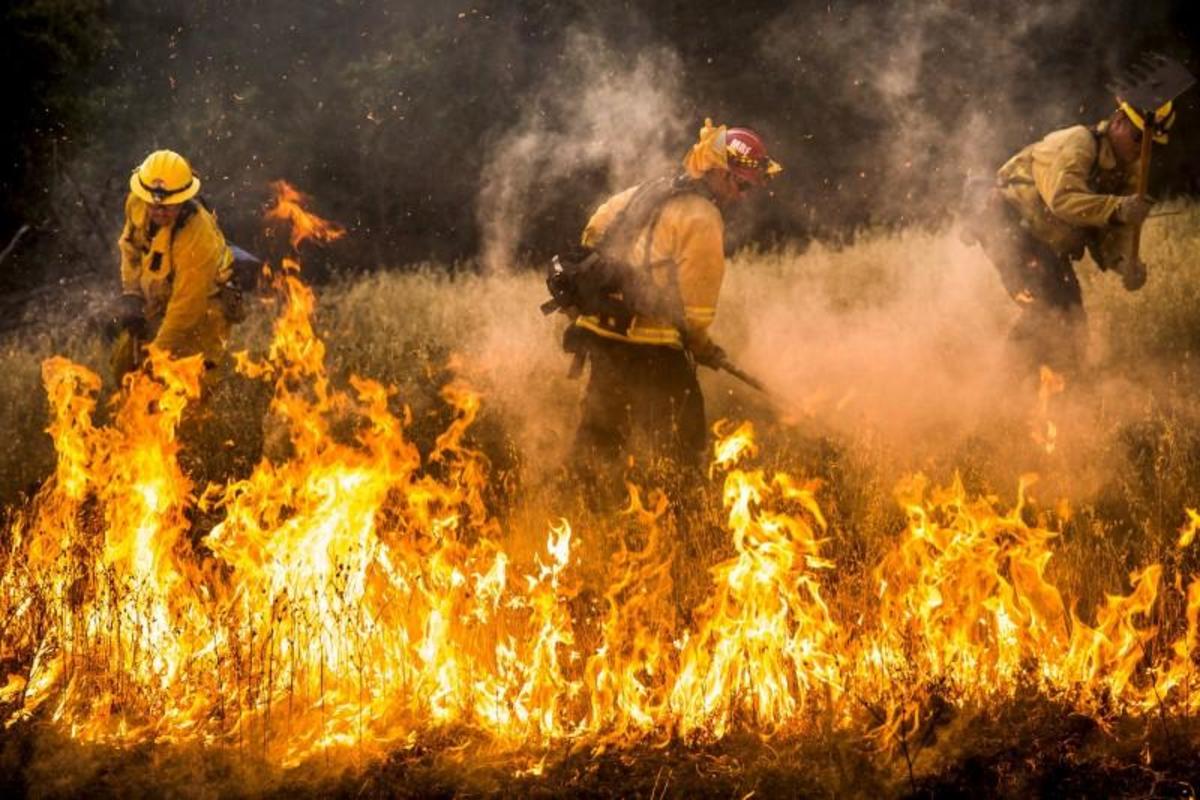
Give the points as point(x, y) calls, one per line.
point(1061, 176)
point(697, 235)
point(131, 256)
point(198, 254)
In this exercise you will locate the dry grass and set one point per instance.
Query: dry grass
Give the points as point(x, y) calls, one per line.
point(884, 356)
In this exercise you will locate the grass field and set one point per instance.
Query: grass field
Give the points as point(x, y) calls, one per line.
point(888, 349)
point(884, 356)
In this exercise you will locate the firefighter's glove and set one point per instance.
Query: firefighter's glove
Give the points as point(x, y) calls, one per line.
point(1133, 209)
point(126, 314)
point(711, 355)
point(1133, 273)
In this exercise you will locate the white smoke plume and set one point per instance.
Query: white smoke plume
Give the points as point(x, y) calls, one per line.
point(601, 110)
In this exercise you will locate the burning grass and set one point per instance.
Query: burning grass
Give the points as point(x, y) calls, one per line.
point(403, 596)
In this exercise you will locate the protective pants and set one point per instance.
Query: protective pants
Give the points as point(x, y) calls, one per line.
point(1052, 328)
point(642, 401)
point(125, 355)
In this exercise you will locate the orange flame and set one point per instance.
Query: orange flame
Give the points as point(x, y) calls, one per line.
point(289, 208)
point(1045, 432)
point(356, 592)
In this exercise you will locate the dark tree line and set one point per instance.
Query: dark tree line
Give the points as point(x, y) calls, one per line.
point(391, 114)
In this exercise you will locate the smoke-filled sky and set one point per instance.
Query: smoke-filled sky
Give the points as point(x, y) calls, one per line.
point(489, 130)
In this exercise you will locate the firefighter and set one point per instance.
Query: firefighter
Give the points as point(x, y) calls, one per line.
point(668, 234)
point(1070, 193)
point(176, 269)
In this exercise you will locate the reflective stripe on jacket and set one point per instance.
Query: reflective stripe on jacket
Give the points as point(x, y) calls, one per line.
point(177, 273)
point(686, 257)
point(1066, 188)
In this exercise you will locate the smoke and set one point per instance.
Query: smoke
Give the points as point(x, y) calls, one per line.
point(903, 331)
point(523, 119)
point(901, 334)
point(896, 336)
point(898, 102)
point(600, 111)
point(520, 120)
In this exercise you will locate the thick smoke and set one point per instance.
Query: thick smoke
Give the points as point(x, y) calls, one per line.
point(489, 134)
point(599, 111)
point(903, 334)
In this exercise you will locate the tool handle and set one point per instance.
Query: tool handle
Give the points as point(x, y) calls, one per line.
point(744, 377)
point(1143, 176)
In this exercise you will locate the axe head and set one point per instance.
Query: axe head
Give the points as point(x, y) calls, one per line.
point(1152, 82)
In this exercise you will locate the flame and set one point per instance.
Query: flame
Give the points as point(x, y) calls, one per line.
point(1188, 532)
point(289, 208)
point(765, 632)
point(1044, 431)
point(357, 593)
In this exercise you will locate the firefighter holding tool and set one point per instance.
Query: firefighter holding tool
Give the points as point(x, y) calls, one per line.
point(177, 289)
point(642, 293)
point(1080, 189)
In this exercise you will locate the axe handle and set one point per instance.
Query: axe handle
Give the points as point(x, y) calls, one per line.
point(1143, 182)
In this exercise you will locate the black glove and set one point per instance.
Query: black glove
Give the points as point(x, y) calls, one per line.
point(127, 314)
point(1133, 273)
point(1133, 209)
point(712, 355)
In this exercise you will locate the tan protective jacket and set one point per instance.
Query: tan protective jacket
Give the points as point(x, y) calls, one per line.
point(688, 239)
point(1067, 187)
point(177, 272)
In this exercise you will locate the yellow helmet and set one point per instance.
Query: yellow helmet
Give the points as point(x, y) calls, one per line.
point(164, 178)
point(1164, 118)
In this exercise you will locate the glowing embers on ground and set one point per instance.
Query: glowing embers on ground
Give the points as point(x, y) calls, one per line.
point(356, 592)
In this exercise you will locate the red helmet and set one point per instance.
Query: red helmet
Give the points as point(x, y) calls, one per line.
point(747, 156)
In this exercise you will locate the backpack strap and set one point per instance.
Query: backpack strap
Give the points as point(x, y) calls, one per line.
point(612, 284)
point(643, 212)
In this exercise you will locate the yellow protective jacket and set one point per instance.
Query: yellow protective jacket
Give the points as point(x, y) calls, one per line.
point(687, 252)
point(177, 272)
point(1066, 188)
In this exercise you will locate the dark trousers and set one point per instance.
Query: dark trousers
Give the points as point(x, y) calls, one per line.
point(642, 401)
point(1052, 328)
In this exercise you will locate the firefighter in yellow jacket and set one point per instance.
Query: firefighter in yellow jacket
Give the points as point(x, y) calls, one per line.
point(1071, 192)
point(175, 264)
point(643, 346)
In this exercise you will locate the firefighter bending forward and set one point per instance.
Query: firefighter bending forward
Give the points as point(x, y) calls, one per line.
point(642, 394)
point(1072, 191)
point(175, 268)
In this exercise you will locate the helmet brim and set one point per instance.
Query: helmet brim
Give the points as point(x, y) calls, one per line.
point(175, 198)
point(755, 175)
